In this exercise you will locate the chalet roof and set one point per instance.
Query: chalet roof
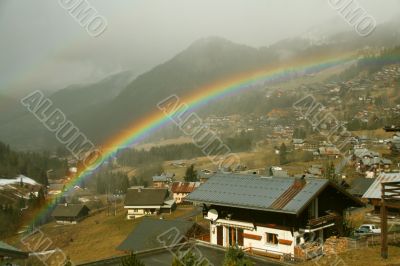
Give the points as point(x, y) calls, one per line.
point(375, 160)
point(184, 187)
point(10, 251)
point(69, 210)
point(360, 185)
point(146, 197)
point(363, 152)
point(374, 191)
point(260, 193)
point(155, 233)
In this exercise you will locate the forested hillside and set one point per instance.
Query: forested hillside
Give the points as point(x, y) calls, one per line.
point(32, 164)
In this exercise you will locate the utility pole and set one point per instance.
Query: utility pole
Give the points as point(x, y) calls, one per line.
point(384, 241)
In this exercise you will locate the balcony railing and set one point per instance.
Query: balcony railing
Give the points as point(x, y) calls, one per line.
point(331, 217)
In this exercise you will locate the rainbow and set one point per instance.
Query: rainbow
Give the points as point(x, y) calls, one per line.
point(199, 97)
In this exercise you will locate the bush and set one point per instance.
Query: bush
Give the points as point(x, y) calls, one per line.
point(236, 257)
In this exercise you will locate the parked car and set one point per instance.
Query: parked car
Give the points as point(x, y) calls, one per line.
point(371, 228)
point(362, 232)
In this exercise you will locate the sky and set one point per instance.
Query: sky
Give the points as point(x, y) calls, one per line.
point(43, 47)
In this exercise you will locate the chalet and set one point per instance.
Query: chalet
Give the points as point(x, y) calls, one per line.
point(70, 213)
point(272, 216)
point(370, 161)
point(181, 189)
point(278, 172)
point(160, 181)
point(361, 153)
point(329, 152)
point(395, 145)
point(8, 252)
point(298, 143)
point(376, 164)
point(373, 194)
point(310, 145)
point(147, 201)
point(315, 170)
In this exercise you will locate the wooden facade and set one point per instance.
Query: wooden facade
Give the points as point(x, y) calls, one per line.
point(390, 199)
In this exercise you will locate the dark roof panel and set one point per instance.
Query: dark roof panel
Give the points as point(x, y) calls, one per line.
point(360, 185)
point(10, 251)
point(146, 197)
point(69, 210)
point(155, 233)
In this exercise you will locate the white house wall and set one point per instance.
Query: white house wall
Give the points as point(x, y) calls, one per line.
point(259, 244)
point(213, 234)
point(263, 245)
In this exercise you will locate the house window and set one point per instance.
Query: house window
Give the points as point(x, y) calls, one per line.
point(272, 239)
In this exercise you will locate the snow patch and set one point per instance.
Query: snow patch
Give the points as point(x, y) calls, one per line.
point(17, 180)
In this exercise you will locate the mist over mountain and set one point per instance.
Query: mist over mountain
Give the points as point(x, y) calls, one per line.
point(17, 125)
point(105, 108)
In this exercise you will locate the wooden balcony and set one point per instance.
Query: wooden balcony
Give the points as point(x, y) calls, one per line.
point(323, 220)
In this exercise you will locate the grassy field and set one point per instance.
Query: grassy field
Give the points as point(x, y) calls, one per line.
point(360, 257)
point(95, 237)
point(376, 133)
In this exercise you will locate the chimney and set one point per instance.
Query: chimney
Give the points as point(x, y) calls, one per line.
point(299, 182)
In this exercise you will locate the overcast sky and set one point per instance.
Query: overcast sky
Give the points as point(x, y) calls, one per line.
point(43, 47)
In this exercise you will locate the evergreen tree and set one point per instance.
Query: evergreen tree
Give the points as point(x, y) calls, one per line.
point(41, 198)
point(125, 183)
point(191, 174)
point(68, 262)
point(330, 172)
point(283, 154)
point(21, 203)
point(236, 257)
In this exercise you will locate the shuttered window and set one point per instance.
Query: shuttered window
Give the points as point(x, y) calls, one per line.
point(272, 239)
